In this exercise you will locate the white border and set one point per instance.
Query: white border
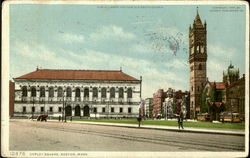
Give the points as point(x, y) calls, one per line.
point(5, 81)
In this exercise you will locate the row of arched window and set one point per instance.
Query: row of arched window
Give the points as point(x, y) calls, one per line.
point(77, 92)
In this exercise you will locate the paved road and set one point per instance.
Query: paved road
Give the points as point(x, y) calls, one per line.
point(55, 136)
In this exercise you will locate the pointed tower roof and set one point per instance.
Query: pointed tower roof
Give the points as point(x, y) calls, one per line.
point(197, 20)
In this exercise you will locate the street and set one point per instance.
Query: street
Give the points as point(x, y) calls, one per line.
point(57, 136)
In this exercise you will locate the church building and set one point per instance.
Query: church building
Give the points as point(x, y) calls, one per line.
point(77, 93)
point(197, 62)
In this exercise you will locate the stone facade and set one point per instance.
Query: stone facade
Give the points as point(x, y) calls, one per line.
point(80, 98)
point(235, 97)
point(148, 107)
point(197, 63)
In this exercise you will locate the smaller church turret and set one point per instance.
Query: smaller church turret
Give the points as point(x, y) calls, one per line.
point(231, 75)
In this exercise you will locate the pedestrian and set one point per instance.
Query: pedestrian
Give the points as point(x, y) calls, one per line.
point(59, 118)
point(180, 120)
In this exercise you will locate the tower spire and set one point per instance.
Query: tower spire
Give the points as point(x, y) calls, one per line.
point(197, 20)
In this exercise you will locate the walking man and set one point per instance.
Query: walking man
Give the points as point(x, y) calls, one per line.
point(180, 120)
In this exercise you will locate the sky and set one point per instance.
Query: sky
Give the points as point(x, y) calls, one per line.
point(147, 40)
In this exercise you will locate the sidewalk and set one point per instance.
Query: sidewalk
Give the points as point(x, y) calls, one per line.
point(168, 128)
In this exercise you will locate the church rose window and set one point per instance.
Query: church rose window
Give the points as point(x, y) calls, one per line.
point(42, 92)
point(51, 92)
point(112, 92)
point(121, 92)
point(103, 92)
point(59, 92)
point(95, 92)
point(33, 92)
point(24, 91)
point(129, 93)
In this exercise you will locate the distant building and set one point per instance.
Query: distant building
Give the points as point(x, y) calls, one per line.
point(235, 91)
point(80, 93)
point(148, 107)
point(158, 99)
point(167, 104)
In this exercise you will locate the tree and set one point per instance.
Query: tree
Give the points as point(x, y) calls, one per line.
point(212, 94)
point(204, 105)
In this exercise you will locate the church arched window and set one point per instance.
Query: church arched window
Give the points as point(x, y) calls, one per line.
point(24, 91)
point(129, 93)
point(200, 67)
point(51, 92)
point(42, 92)
point(112, 92)
point(121, 91)
point(95, 92)
point(59, 92)
point(86, 92)
point(68, 92)
point(103, 92)
point(78, 92)
point(33, 91)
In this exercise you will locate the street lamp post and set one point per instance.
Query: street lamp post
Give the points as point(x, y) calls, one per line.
point(44, 107)
point(33, 109)
point(108, 109)
point(63, 110)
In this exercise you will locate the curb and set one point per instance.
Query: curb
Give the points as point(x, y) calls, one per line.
point(162, 128)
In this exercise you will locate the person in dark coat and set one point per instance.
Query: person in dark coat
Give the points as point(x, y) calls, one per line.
point(180, 120)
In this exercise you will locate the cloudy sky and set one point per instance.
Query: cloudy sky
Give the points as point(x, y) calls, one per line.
point(147, 41)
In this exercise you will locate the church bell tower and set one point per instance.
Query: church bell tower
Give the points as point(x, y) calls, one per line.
point(197, 62)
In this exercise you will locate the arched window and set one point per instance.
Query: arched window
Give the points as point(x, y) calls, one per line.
point(103, 92)
point(121, 91)
point(78, 94)
point(33, 91)
point(95, 92)
point(24, 91)
point(51, 92)
point(68, 92)
point(200, 67)
point(86, 92)
point(129, 93)
point(42, 92)
point(112, 92)
point(59, 92)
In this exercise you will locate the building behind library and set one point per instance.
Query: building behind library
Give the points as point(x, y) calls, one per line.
point(78, 93)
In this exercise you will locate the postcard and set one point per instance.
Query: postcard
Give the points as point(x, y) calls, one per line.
point(125, 79)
